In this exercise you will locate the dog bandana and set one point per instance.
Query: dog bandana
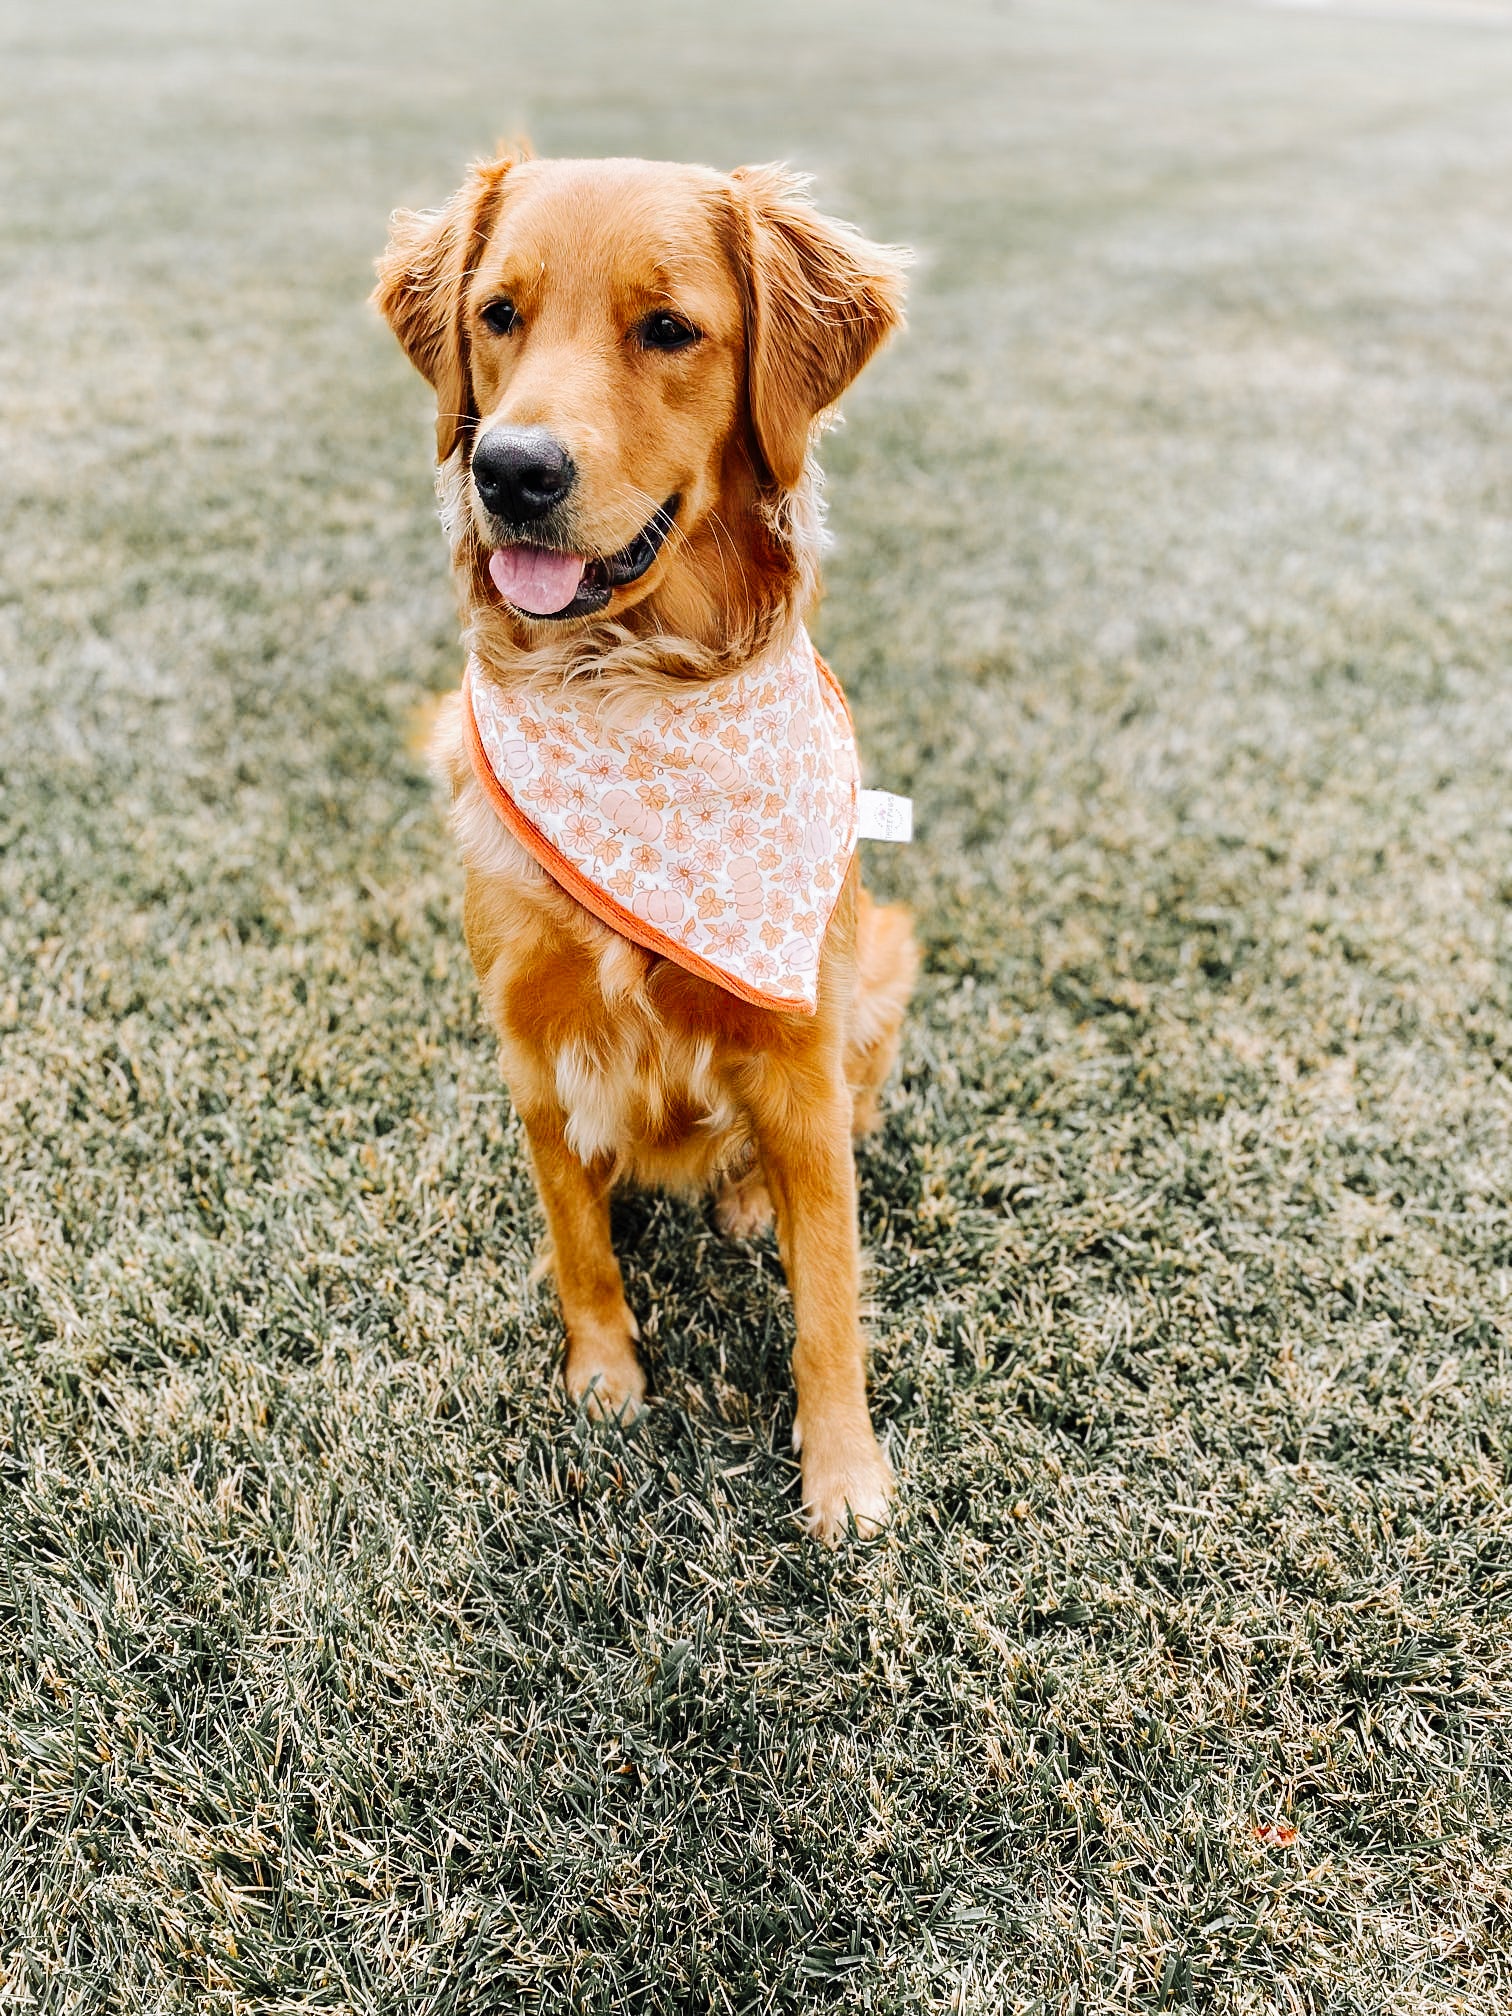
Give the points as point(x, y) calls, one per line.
point(714, 827)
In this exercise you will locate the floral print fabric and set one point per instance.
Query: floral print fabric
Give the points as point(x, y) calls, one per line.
point(713, 826)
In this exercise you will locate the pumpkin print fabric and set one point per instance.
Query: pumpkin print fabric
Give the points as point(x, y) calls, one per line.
point(714, 827)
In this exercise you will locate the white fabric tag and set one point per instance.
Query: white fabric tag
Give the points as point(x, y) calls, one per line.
point(884, 817)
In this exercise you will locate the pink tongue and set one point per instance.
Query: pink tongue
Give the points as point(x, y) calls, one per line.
point(540, 583)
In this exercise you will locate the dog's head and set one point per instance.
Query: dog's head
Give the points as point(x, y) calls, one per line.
point(629, 359)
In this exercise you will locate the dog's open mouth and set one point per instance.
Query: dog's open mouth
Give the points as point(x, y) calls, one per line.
point(544, 581)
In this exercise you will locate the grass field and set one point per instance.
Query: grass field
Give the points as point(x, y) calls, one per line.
point(343, 1669)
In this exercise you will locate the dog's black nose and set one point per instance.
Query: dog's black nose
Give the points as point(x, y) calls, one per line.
point(521, 472)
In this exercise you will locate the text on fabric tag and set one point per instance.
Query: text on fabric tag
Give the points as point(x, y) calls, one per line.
point(884, 816)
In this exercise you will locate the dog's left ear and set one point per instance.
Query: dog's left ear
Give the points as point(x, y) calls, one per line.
point(422, 291)
point(819, 300)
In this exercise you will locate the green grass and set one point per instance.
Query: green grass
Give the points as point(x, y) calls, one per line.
point(343, 1669)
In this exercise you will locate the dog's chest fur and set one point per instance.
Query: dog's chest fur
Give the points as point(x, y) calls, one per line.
point(579, 1020)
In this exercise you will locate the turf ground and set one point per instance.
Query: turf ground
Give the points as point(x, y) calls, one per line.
point(343, 1669)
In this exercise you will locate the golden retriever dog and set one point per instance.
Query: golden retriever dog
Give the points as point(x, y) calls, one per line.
point(631, 363)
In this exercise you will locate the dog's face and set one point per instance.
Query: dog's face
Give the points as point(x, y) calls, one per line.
point(607, 352)
point(632, 356)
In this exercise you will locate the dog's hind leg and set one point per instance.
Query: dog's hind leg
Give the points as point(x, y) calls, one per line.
point(743, 1206)
point(887, 964)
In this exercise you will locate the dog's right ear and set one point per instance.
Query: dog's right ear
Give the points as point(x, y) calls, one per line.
point(422, 291)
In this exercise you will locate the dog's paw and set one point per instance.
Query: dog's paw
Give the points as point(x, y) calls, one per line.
point(604, 1376)
point(743, 1208)
point(845, 1478)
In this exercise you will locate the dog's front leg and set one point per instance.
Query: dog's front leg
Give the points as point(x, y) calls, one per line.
point(803, 1127)
point(602, 1368)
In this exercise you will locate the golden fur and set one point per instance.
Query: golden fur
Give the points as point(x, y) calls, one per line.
point(623, 1066)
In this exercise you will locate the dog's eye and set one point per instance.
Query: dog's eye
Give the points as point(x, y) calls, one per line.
point(663, 331)
point(500, 316)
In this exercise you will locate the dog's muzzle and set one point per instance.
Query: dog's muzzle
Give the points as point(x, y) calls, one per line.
point(551, 583)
